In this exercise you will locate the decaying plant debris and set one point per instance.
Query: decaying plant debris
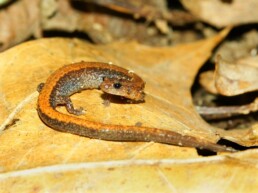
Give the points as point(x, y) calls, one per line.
point(199, 63)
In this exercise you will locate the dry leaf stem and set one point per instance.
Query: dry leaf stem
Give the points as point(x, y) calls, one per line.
point(227, 111)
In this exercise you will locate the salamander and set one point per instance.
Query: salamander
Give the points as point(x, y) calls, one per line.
point(111, 79)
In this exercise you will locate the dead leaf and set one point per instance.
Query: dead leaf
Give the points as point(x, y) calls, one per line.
point(100, 21)
point(100, 26)
point(232, 78)
point(151, 9)
point(244, 46)
point(35, 157)
point(18, 22)
point(238, 78)
point(223, 13)
point(207, 81)
point(215, 174)
point(23, 19)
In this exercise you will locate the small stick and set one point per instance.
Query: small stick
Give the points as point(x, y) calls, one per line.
point(220, 112)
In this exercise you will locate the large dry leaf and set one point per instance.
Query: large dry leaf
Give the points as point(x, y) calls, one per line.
point(224, 13)
point(35, 157)
point(236, 174)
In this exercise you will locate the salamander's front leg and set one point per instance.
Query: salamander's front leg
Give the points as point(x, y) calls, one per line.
point(70, 108)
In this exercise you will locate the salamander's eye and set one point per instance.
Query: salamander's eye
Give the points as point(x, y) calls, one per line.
point(117, 85)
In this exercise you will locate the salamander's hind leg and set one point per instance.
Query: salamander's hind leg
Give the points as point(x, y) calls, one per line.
point(70, 108)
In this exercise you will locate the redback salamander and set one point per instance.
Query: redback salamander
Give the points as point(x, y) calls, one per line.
point(110, 79)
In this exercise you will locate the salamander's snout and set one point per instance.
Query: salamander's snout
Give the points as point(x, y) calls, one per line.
point(125, 88)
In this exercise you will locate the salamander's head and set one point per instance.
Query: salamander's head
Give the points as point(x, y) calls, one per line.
point(122, 87)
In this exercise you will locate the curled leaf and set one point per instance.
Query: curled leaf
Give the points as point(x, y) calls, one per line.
point(224, 13)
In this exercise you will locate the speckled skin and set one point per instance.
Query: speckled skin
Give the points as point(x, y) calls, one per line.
point(91, 75)
point(74, 81)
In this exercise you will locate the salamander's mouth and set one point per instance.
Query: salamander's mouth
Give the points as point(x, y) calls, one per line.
point(132, 97)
